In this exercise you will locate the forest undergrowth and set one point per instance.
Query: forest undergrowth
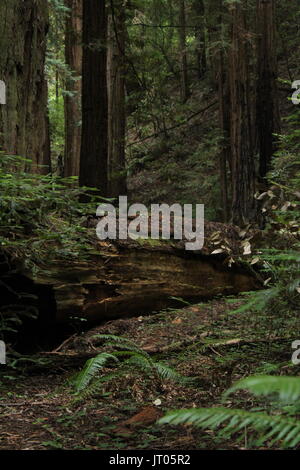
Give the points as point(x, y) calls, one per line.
point(214, 344)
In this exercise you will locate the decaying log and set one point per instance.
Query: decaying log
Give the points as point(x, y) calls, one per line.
point(134, 278)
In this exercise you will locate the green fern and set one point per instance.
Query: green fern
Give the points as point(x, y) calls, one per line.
point(270, 428)
point(95, 385)
point(91, 368)
point(131, 358)
point(146, 364)
point(120, 341)
point(116, 339)
point(140, 361)
point(167, 373)
point(285, 431)
point(287, 388)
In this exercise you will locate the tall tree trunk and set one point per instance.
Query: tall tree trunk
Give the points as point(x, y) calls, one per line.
point(224, 119)
point(73, 56)
point(116, 100)
point(243, 169)
point(198, 6)
point(185, 91)
point(224, 158)
point(24, 123)
point(267, 108)
point(94, 148)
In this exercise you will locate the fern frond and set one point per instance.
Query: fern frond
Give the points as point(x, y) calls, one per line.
point(167, 373)
point(163, 371)
point(287, 388)
point(285, 431)
point(91, 368)
point(140, 361)
point(93, 388)
point(257, 301)
point(120, 341)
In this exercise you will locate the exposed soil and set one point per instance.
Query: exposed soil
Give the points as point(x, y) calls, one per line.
point(38, 408)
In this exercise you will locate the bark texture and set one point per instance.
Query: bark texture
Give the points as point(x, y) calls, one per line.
point(267, 108)
point(242, 153)
point(116, 70)
point(185, 90)
point(199, 9)
point(73, 55)
point(24, 123)
point(131, 279)
point(94, 148)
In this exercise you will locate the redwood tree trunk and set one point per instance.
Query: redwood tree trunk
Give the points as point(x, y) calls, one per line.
point(243, 169)
point(224, 120)
point(73, 55)
point(116, 100)
point(185, 91)
point(198, 6)
point(94, 148)
point(24, 123)
point(225, 154)
point(267, 108)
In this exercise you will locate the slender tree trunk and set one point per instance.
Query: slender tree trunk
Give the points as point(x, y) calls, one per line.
point(73, 55)
point(267, 108)
point(243, 169)
point(185, 90)
point(213, 39)
point(198, 6)
point(116, 100)
point(24, 123)
point(94, 148)
point(224, 157)
point(224, 119)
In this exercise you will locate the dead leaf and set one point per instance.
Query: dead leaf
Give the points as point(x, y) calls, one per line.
point(247, 248)
point(267, 281)
point(144, 418)
point(216, 252)
point(177, 321)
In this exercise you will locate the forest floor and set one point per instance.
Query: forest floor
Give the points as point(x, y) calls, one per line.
point(38, 409)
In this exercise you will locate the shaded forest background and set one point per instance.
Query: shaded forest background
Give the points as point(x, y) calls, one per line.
point(166, 101)
point(184, 101)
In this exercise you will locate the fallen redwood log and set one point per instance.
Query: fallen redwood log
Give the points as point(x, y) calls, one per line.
point(134, 278)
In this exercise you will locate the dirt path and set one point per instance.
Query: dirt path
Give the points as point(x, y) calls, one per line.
point(38, 409)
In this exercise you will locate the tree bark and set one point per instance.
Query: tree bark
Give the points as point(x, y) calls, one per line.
point(185, 90)
point(224, 119)
point(24, 123)
point(224, 158)
point(199, 10)
point(267, 107)
point(243, 168)
point(94, 145)
point(116, 100)
point(73, 56)
point(130, 278)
